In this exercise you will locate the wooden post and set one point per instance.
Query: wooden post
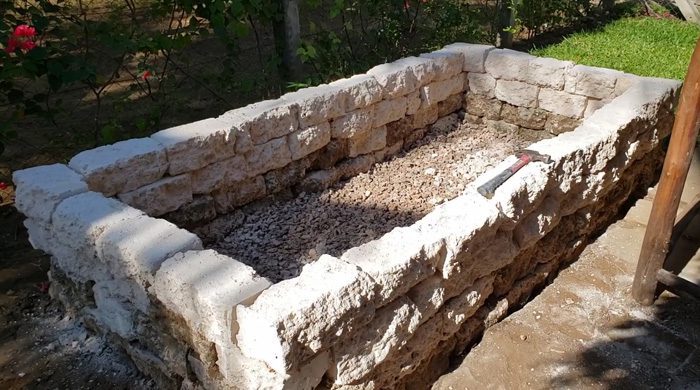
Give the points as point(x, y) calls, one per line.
point(506, 20)
point(668, 195)
point(287, 33)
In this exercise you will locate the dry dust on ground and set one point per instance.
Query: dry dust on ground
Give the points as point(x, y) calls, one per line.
point(278, 239)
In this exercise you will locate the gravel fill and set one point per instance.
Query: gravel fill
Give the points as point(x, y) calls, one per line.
point(277, 239)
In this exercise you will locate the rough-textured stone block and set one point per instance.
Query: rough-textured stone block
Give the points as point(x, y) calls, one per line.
point(403, 76)
point(368, 142)
point(327, 157)
point(389, 110)
point(484, 107)
point(318, 104)
point(506, 64)
point(524, 191)
point(474, 55)
point(558, 124)
point(438, 91)
point(239, 193)
point(451, 104)
point(371, 345)
point(548, 72)
point(360, 90)
point(397, 131)
point(284, 178)
point(268, 156)
point(40, 189)
point(305, 141)
point(204, 288)
point(197, 144)
point(461, 223)
point(352, 123)
point(121, 167)
point(482, 84)
point(413, 102)
point(532, 118)
point(219, 174)
point(562, 103)
point(397, 261)
point(79, 220)
point(267, 119)
point(317, 181)
point(536, 225)
point(161, 197)
point(517, 93)
point(136, 248)
point(296, 318)
point(501, 126)
point(448, 63)
point(593, 82)
point(197, 212)
point(424, 117)
point(39, 232)
point(593, 105)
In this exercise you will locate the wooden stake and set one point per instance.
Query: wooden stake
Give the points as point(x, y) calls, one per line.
point(675, 171)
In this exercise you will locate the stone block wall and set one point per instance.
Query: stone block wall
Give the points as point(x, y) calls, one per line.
point(384, 314)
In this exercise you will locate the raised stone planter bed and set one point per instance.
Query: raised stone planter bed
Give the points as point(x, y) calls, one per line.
point(389, 312)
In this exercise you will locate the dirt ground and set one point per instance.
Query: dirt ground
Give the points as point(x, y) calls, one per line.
point(278, 239)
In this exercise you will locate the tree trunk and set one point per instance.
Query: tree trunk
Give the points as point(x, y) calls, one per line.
point(287, 33)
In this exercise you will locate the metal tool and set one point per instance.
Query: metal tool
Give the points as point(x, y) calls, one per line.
point(524, 157)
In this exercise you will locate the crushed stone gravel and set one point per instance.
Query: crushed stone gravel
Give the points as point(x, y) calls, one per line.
point(278, 239)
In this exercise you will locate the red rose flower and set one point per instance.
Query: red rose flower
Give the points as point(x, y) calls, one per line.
point(22, 38)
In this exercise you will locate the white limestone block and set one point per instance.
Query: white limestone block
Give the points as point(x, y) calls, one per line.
point(482, 84)
point(81, 219)
point(318, 104)
point(267, 119)
point(39, 232)
point(562, 103)
point(122, 166)
point(268, 156)
point(429, 295)
point(136, 248)
point(370, 141)
point(239, 194)
point(506, 64)
point(113, 310)
point(354, 123)
point(593, 105)
point(438, 91)
point(403, 76)
point(413, 102)
point(517, 93)
point(219, 174)
point(242, 372)
point(448, 63)
point(163, 196)
point(548, 72)
point(474, 55)
point(360, 91)
point(524, 191)
point(593, 82)
point(397, 261)
point(40, 189)
point(461, 224)
point(197, 144)
point(295, 319)
point(204, 288)
point(310, 139)
point(389, 110)
point(392, 326)
point(540, 222)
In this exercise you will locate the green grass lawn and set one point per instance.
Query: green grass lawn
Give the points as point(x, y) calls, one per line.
point(643, 46)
